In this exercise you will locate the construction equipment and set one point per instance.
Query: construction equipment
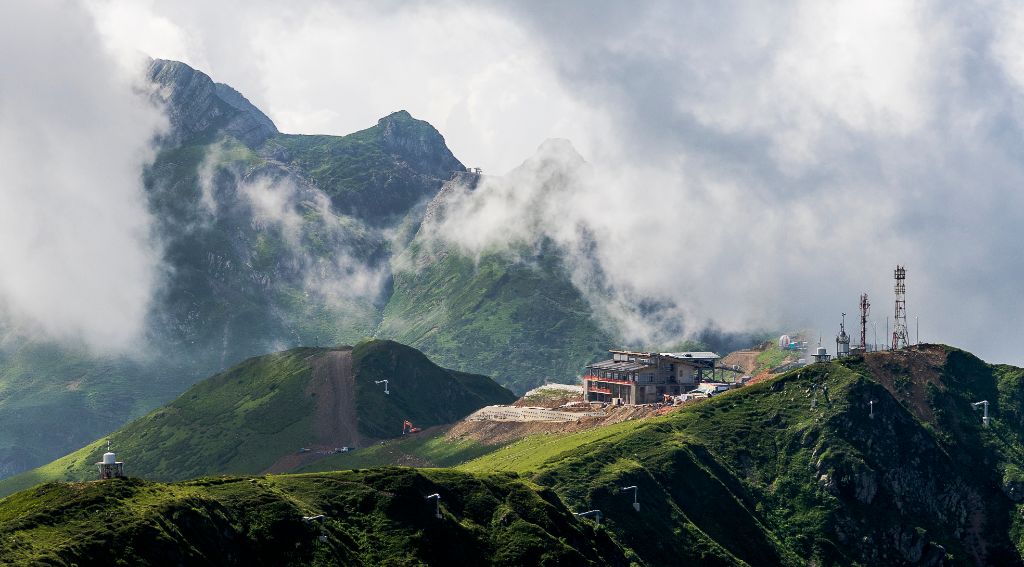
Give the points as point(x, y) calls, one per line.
point(408, 427)
point(385, 382)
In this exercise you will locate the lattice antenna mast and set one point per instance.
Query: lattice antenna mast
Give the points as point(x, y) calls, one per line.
point(899, 331)
point(865, 308)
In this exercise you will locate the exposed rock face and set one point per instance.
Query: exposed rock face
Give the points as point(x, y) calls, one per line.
point(419, 144)
point(199, 109)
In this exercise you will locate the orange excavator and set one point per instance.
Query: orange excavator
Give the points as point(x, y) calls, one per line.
point(408, 427)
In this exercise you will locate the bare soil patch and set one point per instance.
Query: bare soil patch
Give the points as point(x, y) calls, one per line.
point(333, 388)
point(745, 359)
point(501, 432)
point(907, 373)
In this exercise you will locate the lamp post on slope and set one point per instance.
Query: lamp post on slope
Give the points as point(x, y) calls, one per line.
point(636, 505)
point(437, 511)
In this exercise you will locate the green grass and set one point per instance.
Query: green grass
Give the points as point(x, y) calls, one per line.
point(535, 452)
point(362, 172)
point(789, 471)
point(518, 319)
point(377, 517)
point(243, 420)
point(421, 391)
point(739, 477)
point(773, 357)
point(420, 449)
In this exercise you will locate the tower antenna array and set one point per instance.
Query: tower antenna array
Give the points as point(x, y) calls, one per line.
point(865, 308)
point(899, 330)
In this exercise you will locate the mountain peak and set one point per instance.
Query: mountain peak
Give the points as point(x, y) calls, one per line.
point(418, 143)
point(560, 150)
point(398, 116)
point(198, 107)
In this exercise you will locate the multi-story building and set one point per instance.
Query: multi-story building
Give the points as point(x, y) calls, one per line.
point(646, 377)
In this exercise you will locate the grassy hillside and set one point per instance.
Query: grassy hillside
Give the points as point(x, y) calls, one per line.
point(518, 319)
point(269, 241)
point(96, 393)
point(426, 449)
point(265, 409)
point(795, 470)
point(377, 517)
point(421, 391)
point(789, 472)
point(359, 171)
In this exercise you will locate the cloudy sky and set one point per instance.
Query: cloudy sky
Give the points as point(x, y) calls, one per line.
point(756, 165)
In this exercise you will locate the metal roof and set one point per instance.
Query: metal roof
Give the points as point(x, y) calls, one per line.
point(618, 366)
point(692, 355)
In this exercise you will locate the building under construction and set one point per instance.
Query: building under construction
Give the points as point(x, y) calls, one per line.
point(646, 377)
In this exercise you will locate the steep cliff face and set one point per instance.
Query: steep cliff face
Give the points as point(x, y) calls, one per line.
point(418, 143)
point(200, 110)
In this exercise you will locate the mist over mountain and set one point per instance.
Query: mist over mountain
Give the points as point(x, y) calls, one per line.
point(510, 190)
point(265, 241)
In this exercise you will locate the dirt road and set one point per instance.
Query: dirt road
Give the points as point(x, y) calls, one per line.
point(333, 388)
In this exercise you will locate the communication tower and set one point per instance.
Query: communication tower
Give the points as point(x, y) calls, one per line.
point(899, 331)
point(865, 308)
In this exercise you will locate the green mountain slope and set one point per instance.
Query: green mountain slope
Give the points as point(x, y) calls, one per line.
point(795, 470)
point(801, 469)
point(269, 241)
point(519, 318)
point(257, 416)
point(512, 311)
point(378, 517)
point(272, 240)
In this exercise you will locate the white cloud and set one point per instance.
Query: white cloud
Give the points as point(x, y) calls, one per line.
point(781, 158)
point(75, 249)
point(300, 214)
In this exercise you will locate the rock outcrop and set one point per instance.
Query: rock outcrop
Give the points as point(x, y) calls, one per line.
point(200, 109)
